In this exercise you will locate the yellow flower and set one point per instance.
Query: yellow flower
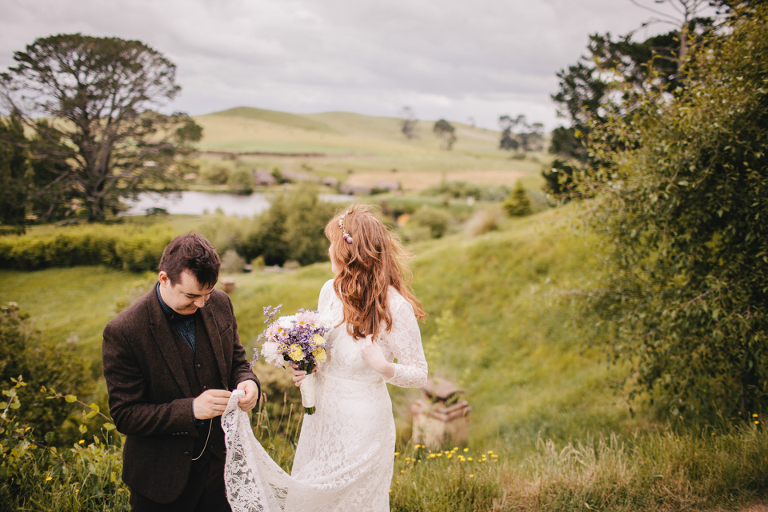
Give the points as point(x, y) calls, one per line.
point(754, 415)
point(81, 441)
point(756, 422)
point(319, 354)
point(466, 450)
point(471, 476)
point(318, 340)
point(48, 478)
point(296, 354)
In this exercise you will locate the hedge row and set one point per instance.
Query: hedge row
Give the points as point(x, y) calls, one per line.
point(125, 247)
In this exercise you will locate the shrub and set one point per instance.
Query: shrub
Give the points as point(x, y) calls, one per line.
point(518, 204)
point(435, 219)
point(241, 182)
point(216, 174)
point(463, 189)
point(232, 262)
point(23, 353)
point(37, 476)
point(292, 229)
point(680, 198)
point(120, 246)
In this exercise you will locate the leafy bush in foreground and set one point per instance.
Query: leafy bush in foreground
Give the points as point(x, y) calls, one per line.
point(681, 199)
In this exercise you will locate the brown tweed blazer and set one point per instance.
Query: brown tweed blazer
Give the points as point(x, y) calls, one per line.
point(149, 396)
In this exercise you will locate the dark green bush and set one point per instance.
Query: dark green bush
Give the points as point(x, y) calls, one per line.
point(435, 219)
point(241, 182)
point(58, 366)
point(133, 248)
point(292, 229)
point(463, 189)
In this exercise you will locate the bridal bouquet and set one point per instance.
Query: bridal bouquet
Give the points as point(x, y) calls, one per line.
point(299, 339)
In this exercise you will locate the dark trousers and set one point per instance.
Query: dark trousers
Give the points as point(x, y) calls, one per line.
point(204, 492)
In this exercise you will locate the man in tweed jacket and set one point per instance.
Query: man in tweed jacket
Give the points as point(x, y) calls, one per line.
point(170, 362)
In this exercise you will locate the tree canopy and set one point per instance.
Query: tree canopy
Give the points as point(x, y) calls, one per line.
point(680, 195)
point(446, 132)
point(92, 104)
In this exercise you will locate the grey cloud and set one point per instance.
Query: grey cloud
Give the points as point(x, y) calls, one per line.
point(451, 59)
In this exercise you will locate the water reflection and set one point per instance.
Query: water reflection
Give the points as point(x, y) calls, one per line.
point(198, 203)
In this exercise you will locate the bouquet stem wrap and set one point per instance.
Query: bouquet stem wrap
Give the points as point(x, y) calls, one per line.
point(307, 389)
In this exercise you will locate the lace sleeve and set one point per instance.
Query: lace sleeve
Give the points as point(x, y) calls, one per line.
point(404, 340)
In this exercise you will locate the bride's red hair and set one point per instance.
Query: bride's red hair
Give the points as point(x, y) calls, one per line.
point(368, 266)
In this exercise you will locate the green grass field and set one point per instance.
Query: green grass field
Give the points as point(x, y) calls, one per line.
point(505, 337)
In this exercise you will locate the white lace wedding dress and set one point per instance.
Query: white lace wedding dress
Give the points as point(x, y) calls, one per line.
point(345, 454)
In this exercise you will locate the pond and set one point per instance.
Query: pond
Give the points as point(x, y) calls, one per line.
point(198, 203)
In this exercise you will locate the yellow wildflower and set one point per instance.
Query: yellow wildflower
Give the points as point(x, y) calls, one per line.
point(296, 354)
point(318, 340)
point(48, 478)
point(466, 450)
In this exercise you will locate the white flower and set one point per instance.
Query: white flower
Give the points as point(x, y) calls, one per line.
point(286, 322)
point(271, 355)
point(326, 321)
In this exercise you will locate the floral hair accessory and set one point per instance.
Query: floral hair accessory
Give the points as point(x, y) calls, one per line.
point(346, 236)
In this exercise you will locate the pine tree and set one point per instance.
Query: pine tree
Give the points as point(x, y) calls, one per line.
point(518, 204)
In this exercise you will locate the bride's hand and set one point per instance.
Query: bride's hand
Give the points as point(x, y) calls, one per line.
point(373, 355)
point(298, 375)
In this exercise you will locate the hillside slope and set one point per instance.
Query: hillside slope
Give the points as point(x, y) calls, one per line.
point(497, 325)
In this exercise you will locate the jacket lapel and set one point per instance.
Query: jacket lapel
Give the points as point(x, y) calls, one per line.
point(161, 331)
point(213, 335)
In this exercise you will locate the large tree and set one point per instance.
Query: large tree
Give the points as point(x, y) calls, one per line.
point(93, 104)
point(680, 194)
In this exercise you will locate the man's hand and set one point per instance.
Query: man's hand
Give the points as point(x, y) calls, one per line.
point(210, 404)
point(251, 397)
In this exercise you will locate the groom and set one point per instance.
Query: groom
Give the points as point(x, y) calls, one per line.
point(170, 362)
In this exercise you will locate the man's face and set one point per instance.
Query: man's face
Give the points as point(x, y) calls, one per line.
point(186, 296)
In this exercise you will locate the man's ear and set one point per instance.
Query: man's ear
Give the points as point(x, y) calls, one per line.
point(162, 276)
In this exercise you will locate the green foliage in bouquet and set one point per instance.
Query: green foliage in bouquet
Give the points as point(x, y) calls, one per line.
point(681, 199)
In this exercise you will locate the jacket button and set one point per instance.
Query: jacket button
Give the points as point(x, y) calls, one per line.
point(199, 365)
point(186, 454)
point(205, 387)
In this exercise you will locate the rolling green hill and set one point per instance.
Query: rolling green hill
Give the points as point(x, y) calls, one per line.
point(361, 150)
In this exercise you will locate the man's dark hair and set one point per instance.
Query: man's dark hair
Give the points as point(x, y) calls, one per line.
point(194, 253)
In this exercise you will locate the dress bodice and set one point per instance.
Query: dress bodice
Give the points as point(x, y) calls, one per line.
point(402, 342)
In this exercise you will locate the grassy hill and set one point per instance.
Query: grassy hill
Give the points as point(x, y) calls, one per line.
point(363, 150)
point(496, 324)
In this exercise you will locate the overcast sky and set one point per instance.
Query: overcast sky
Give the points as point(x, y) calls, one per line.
point(454, 59)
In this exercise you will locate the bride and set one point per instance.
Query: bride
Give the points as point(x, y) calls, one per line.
point(345, 454)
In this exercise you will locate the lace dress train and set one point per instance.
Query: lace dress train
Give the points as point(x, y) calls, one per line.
point(344, 457)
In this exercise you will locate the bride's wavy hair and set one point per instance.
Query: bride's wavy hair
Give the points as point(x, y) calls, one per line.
point(368, 266)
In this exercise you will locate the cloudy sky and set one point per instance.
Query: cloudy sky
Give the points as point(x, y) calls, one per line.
point(454, 59)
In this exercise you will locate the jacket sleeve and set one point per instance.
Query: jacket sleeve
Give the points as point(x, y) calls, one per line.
point(241, 368)
point(127, 387)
